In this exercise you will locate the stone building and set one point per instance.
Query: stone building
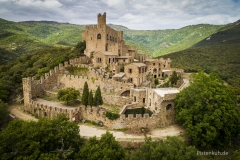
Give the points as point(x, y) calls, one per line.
point(101, 37)
point(160, 99)
point(104, 58)
point(107, 49)
point(136, 73)
point(156, 66)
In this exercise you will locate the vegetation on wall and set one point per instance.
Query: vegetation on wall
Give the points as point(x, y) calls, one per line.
point(111, 115)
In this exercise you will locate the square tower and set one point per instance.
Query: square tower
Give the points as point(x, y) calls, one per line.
point(101, 19)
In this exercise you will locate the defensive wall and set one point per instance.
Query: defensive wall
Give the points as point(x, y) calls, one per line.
point(97, 114)
point(58, 78)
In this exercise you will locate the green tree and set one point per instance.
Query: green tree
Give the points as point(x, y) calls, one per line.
point(207, 109)
point(80, 47)
point(98, 97)
point(45, 139)
point(68, 95)
point(172, 148)
point(174, 78)
point(90, 98)
point(106, 148)
point(4, 114)
point(85, 94)
point(156, 82)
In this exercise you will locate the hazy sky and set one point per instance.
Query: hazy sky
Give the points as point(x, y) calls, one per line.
point(134, 14)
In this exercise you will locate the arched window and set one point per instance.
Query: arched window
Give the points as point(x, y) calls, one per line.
point(169, 106)
point(107, 36)
point(99, 36)
point(110, 38)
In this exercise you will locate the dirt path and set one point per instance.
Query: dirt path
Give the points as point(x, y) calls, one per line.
point(173, 130)
point(16, 111)
point(90, 131)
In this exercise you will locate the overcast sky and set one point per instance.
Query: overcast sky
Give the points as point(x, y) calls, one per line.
point(134, 14)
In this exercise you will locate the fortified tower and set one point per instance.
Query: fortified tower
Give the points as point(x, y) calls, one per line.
point(101, 37)
point(101, 20)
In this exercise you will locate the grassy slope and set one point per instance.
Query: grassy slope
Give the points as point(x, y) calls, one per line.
point(27, 37)
point(53, 32)
point(160, 42)
point(17, 39)
point(14, 41)
point(220, 53)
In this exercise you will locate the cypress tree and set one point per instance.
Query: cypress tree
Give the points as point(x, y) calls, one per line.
point(85, 94)
point(98, 97)
point(90, 98)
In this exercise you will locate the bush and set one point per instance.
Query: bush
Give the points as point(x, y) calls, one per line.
point(111, 115)
point(68, 95)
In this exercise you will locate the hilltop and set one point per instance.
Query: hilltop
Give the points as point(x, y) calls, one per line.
point(219, 53)
point(21, 38)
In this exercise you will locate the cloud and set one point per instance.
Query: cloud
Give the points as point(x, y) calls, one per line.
point(114, 3)
point(38, 3)
point(134, 14)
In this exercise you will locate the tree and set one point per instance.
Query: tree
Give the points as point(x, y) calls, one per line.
point(85, 94)
point(172, 148)
point(90, 98)
point(156, 82)
point(207, 110)
point(98, 97)
point(174, 78)
point(68, 95)
point(4, 114)
point(42, 139)
point(106, 148)
point(80, 47)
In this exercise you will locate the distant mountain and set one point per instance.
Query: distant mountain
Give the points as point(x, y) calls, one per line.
point(219, 52)
point(27, 37)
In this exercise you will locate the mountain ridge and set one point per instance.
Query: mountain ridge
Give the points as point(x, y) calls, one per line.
point(52, 34)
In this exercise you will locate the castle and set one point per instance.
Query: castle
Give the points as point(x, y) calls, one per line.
point(123, 76)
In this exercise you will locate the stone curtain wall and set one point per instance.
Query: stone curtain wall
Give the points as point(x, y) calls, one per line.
point(34, 88)
point(97, 114)
point(50, 112)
